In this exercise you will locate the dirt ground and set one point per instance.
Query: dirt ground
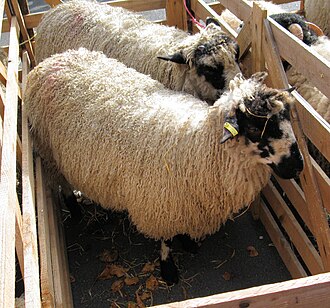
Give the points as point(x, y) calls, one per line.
point(239, 256)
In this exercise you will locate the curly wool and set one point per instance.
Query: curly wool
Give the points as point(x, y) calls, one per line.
point(130, 144)
point(134, 41)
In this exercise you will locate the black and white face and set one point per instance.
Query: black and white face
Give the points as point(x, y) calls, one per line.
point(217, 61)
point(274, 141)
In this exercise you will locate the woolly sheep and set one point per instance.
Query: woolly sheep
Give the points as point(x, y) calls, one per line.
point(200, 64)
point(155, 152)
point(318, 12)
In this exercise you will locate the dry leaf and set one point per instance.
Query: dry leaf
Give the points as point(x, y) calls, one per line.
point(226, 276)
point(152, 283)
point(112, 270)
point(252, 251)
point(109, 256)
point(148, 268)
point(139, 301)
point(145, 295)
point(131, 281)
point(117, 285)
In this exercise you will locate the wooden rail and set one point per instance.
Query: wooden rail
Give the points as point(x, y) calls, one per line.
point(269, 44)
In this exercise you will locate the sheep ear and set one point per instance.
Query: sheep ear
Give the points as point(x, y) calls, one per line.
point(212, 20)
point(230, 129)
point(176, 58)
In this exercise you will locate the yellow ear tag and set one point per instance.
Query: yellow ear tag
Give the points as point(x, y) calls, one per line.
point(231, 129)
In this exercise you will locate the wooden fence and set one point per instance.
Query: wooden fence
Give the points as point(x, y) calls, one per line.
point(296, 223)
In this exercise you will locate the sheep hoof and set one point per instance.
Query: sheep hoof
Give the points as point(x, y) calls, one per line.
point(74, 207)
point(169, 271)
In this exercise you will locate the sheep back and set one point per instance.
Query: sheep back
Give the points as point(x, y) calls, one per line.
point(130, 144)
point(134, 41)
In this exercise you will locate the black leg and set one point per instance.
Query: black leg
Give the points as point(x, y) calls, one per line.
point(168, 268)
point(188, 244)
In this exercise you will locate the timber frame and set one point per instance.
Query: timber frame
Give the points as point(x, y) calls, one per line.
point(29, 224)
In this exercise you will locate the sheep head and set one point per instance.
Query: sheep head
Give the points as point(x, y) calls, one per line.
point(262, 116)
point(211, 54)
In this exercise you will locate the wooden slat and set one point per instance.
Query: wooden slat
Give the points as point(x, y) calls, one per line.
point(304, 59)
point(272, 56)
point(53, 3)
point(300, 293)
point(62, 287)
point(313, 125)
point(324, 184)
point(297, 198)
point(315, 207)
point(297, 235)
point(139, 5)
point(176, 14)
point(24, 32)
point(283, 247)
point(244, 38)
point(217, 6)
point(8, 177)
point(19, 237)
point(46, 273)
point(242, 9)
point(203, 10)
point(257, 25)
point(30, 244)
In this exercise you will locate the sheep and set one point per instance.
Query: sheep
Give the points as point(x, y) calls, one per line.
point(200, 64)
point(318, 12)
point(174, 163)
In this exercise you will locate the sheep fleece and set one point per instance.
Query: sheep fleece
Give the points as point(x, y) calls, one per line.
point(130, 144)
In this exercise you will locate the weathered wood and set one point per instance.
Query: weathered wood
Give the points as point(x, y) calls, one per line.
point(257, 27)
point(283, 247)
point(8, 177)
point(62, 287)
point(53, 3)
point(301, 293)
point(242, 9)
point(46, 273)
point(244, 38)
point(19, 237)
point(203, 10)
point(23, 29)
point(176, 14)
point(324, 184)
point(312, 195)
point(140, 5)
point(304, 59)
point(313, 125)
point(297, 198)
point(30, 244)
point(297, 235)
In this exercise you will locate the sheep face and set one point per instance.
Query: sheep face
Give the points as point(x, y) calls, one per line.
point(211, 55)
point(263, 118)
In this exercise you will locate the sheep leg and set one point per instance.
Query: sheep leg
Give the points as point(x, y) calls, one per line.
point(188, 244)
point(71, 202)
point(168, 269)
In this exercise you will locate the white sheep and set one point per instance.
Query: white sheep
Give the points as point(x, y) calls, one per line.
point(200, 64)
point(318, 12)
point(130, 144)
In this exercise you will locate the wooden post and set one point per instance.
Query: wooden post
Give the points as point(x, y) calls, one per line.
point(176, 14)
point(30, 244)
point(8, 176)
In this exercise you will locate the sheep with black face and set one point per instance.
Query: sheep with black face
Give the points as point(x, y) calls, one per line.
point(174, 163)
point(200, 64)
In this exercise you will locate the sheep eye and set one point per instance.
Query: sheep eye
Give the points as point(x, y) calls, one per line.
point(253, 130)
